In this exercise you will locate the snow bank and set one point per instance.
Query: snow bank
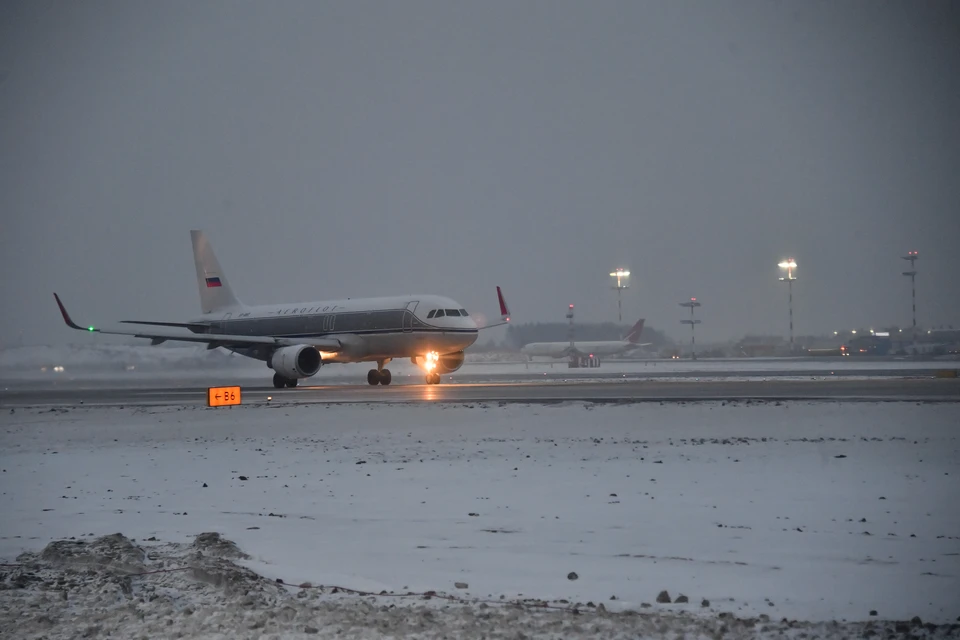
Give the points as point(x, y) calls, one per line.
point(77, 587)
point(807, 511)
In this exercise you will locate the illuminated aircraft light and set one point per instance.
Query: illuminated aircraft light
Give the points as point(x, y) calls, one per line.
point(430, 360)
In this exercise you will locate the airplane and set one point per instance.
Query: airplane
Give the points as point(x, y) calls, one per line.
point(296, 339)
point(593, 349)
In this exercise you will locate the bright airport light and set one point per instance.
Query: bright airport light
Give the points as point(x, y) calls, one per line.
point(620, 274)
point(789, 264)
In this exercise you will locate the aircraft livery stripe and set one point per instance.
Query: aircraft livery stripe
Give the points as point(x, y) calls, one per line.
point(330, 324)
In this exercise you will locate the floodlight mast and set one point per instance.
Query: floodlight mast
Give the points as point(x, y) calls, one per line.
point(790, 265)
point(692, 322)
point(621, 275)
point(912, 257)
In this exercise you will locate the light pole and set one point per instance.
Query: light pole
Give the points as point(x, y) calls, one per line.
point(574, 359)
point(790, 265)
point(912, 257)
point(693, 338)
point(621, 275)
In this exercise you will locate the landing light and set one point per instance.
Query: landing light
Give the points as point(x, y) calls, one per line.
point(430, 360)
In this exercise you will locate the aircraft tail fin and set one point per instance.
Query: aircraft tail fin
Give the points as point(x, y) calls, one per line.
point(633, 336)
point(215, 291)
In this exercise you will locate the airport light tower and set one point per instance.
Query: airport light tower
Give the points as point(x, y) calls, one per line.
point(692, 322)
point(573, 359)
point(622, 276)
point(912, 256)
point(790, 265)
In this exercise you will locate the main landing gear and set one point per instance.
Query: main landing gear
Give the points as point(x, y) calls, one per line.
point(280, 382)
point(379, 375)
point(433, 378)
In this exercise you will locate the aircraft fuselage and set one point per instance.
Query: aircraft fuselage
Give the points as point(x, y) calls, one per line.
point(369, 328)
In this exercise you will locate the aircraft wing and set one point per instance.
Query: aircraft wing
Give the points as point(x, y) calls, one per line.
point(212, 340)
point(504, 312)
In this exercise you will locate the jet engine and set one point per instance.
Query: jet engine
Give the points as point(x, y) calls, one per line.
point(450, 362)
point(297, 361)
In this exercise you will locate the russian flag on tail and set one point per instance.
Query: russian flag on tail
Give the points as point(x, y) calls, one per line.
point(213, 282)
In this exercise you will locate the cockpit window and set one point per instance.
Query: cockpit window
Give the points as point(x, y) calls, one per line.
point(464, 313)
point(452, 312)
point(439, 313)
point(432, 313)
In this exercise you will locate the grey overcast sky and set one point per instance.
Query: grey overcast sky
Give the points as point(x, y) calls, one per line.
point(358, 148)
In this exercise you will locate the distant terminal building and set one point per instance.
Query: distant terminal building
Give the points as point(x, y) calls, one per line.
point(900, 342)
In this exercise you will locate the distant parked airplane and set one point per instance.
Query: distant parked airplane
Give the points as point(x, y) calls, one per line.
point(595, 349)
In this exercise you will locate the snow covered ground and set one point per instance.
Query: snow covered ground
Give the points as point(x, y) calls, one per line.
point(808, 511)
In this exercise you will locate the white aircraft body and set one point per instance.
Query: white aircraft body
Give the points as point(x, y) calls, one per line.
point(296, 339)
point(595, 349)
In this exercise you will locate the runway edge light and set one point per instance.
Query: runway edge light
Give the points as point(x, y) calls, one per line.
point(223, 396)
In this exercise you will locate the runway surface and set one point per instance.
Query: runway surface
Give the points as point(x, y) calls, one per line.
point(927, 389)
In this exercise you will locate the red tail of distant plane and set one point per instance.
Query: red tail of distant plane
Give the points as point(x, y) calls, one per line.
point(504, 311)
point(634, 336)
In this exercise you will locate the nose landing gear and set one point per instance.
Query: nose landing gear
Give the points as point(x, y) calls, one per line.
point(433, 378)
